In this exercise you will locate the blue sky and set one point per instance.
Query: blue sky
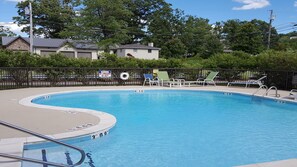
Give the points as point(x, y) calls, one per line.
point(285, 11)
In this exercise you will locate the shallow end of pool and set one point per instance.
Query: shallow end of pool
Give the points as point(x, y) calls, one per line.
point(105, 123)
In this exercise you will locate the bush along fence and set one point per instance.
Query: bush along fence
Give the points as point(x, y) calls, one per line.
point(11, 78)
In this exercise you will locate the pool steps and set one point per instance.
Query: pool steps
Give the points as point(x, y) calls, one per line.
point(44, 160)
point(64, 157)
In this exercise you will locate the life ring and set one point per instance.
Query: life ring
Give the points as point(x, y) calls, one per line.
point(124, 76)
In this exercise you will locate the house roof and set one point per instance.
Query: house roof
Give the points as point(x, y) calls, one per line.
point(52, 43)
point(137, 46)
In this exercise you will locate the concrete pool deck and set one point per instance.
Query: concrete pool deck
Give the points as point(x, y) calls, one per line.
point(63, 123)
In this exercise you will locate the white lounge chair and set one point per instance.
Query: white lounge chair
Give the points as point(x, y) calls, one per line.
point(292, 95)
point(247, 83)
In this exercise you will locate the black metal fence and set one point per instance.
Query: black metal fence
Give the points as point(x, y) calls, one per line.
point(11, 78)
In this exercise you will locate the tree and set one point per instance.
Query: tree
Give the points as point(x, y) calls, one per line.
point(263, 27)
point(245, 36)
point(173, 48)
point(142, 13)
point(164, 25)
point(6, 32)
point(50, 17)
point(287, 42)
point(101, 21)
point(250, 39)
point(230, 31)
point(217, 29)
point(197, 35)
point(211, 46)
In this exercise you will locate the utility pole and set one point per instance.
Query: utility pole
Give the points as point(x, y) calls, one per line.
point(31, 28)
point(270, 27)
point(28, 11)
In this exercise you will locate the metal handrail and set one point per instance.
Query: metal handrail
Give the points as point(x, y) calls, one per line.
point(272, 87)
point(260, 88)
point(82, 152)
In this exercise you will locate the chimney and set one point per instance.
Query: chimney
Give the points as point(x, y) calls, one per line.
point(151, 44)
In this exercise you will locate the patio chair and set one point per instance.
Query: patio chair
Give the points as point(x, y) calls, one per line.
point(247, 83)
point(165, 80)
point(148, 78)
point(209, 79)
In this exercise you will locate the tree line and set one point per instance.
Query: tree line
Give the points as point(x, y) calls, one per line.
point(109, 22)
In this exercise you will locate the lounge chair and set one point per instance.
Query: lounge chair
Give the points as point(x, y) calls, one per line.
point(165, 80)
point(150, 79)
point(209, 79)
point(247, 83)
point(292, 95)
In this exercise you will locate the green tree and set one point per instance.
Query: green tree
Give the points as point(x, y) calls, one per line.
point(263, 28)
point(101, 21)
point(211, 46)
point(6, 32)
point(230, 31)
point(173, 48)
point(50, 17)
point(164, 25)
point(142, 13)
point(250, 39)
point(287, 42)
point(199, 38)
point(245, 36)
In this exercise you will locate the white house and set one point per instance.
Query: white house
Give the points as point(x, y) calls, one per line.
point(138, 51)
point(42, 46)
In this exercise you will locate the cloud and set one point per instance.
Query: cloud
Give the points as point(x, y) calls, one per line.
point(251, 4)
point(14, 28)
point(295, 3)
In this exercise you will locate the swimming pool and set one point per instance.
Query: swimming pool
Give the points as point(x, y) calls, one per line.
point(179, 128)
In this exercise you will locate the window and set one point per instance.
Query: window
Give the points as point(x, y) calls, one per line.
point(150, 51)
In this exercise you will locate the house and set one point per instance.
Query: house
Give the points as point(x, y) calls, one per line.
point(44, 47)
point(138, 51)
point(78, 49)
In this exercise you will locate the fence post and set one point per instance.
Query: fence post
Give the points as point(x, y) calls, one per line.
point(28, 81)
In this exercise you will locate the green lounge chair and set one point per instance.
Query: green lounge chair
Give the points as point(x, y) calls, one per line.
point(165, 80)
point(209, 79)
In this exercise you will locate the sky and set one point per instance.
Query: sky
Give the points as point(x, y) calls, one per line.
point(284, 11)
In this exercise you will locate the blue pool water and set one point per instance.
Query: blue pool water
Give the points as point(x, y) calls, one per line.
point(179, 128)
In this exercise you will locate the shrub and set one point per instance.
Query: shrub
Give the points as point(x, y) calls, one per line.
point(277, 60)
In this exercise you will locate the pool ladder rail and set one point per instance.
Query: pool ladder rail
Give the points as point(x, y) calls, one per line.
point(44, 163)
point(267, 90)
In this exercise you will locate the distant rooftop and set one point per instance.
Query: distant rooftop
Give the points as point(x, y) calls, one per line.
point(52, 43)
point(137, 46)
